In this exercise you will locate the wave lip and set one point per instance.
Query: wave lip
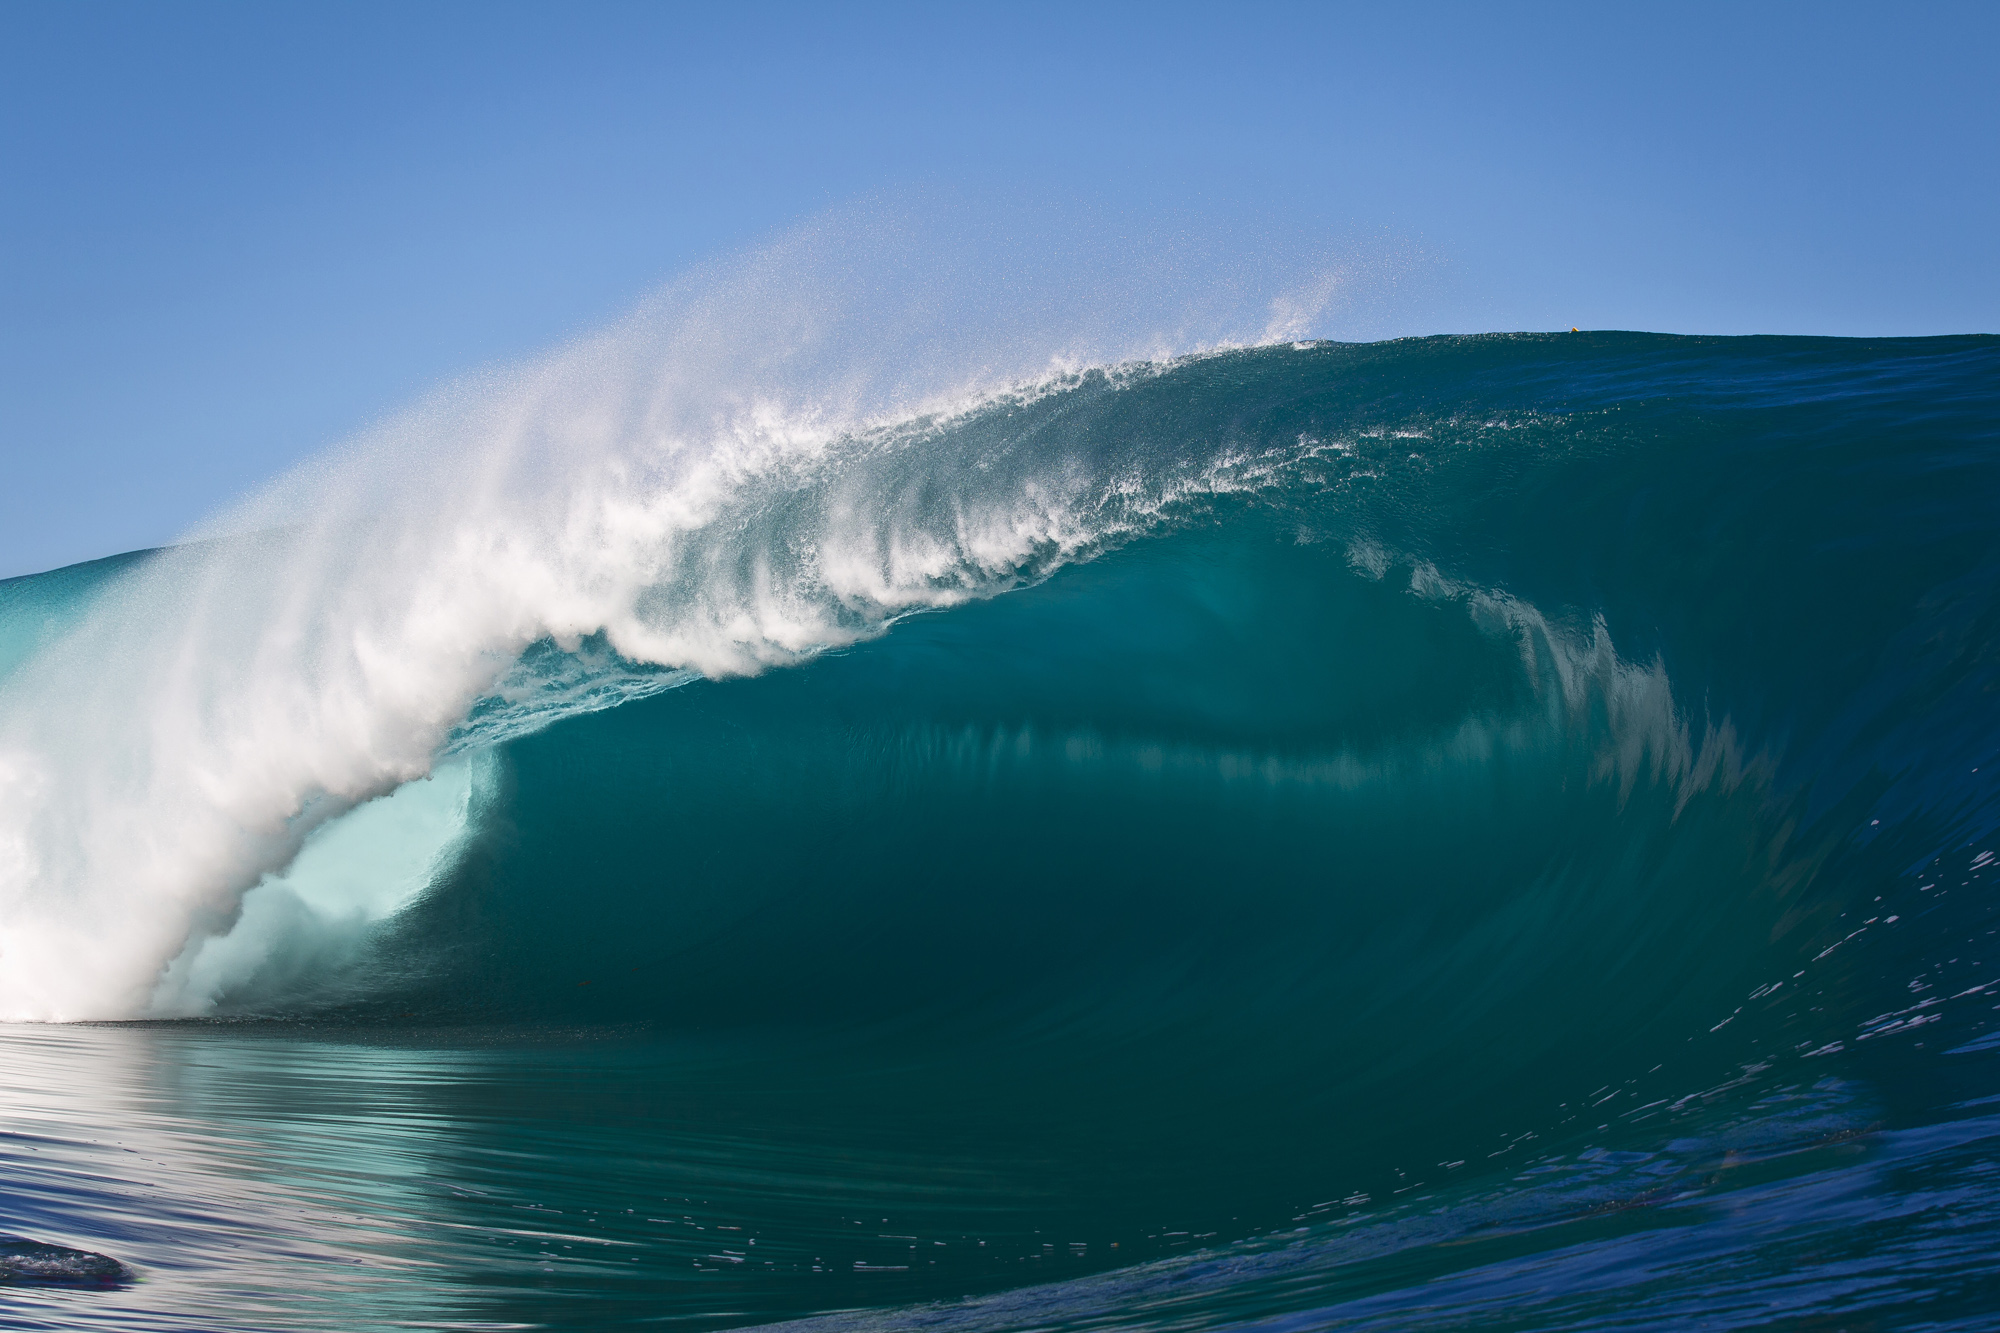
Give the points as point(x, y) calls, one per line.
point(638, 510)
point(218, 704)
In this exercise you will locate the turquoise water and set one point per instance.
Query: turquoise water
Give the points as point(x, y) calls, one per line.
point(1471, 832)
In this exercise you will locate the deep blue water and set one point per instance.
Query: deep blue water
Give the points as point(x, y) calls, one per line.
point(1519, 855)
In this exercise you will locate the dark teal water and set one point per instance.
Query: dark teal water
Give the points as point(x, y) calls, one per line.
point(1518, 857)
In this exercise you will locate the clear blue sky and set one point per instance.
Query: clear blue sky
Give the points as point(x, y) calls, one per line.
point(233, 234)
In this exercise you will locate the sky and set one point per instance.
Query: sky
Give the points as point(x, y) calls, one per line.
point(233, 235)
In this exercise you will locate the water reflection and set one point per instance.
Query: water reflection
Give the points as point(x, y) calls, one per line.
point(271, 1178)
point(278, 1178)
point(243, 1176)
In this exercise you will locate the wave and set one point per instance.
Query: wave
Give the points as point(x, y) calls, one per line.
point(208, 711)
point(1370, 763)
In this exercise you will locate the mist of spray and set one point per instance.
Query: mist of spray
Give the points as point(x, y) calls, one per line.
point(744, 472)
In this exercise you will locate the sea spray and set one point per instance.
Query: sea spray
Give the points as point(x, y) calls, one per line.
point(767, 460)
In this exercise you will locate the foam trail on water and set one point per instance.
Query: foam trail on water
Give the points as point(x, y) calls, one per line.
point(746, 472)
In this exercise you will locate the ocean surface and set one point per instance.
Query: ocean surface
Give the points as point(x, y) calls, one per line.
point(1476, 832)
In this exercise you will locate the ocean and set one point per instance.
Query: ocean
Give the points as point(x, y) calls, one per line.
point(1482, 832)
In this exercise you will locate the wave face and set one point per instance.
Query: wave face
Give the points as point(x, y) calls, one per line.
point(1206, 837)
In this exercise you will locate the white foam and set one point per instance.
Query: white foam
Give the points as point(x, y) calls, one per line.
point(748, 471)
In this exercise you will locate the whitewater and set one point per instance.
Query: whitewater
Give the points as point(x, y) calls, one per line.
point(760, 464)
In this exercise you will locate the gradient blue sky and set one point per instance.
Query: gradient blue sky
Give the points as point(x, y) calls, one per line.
point(233, 234)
